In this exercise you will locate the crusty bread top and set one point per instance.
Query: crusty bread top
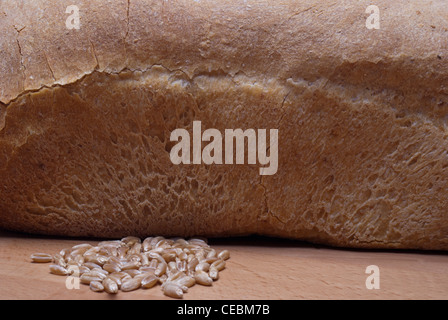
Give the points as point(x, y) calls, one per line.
point(264, 38)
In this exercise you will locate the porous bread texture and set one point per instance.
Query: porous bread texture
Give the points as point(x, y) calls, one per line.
point(86, 117)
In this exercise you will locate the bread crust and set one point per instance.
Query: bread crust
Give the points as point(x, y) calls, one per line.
point(85, 119)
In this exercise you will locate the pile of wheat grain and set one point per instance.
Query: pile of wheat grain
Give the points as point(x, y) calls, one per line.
point(129, 264)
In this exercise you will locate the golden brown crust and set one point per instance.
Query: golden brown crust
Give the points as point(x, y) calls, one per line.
point(85, 118)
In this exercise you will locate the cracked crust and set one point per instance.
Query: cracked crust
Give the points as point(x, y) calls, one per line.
point(85, 118)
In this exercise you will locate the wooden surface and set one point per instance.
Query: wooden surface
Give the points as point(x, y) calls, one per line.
point(259, 268)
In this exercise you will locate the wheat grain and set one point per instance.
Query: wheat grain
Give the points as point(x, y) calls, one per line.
point(59, 260)
point(136, 248)
point(147, 244)
point(173, 290)
point(149, 281)
point(110, 286)
point(176, 275)
point(41, 258)
point(172, 266)
point(161, 269)
point(153, 264)
point(186, 281)
point(114, 243)
point(88, 277)
point(82, 246)
point(58, 270)
point(181, 265)
point(202, 278)
point(130, 241)
point(144, 260)
point(193, 263)
point(213, 273)
point(117, 277)
point(203, 266)
point(96, 286)
point(83, 269)
point(130, 285)
point(169, 256)
point(112, 267)
point(101, 272)
point(224, 255)
point(211, 254)
point(91, 265)
point(210, 260)
point(129, 264)
point(132, 272)
point(147, 269)
point(219, 264)
point(122, 251)
point(65, 252)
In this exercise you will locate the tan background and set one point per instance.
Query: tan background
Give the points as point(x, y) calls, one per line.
point(259, 268)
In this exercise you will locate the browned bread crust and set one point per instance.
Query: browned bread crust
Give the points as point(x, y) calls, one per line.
point(86, 116)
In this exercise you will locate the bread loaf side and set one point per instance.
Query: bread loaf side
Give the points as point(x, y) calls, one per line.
point(86, 116)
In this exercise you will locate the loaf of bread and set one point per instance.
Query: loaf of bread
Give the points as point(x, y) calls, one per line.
point(90, 92)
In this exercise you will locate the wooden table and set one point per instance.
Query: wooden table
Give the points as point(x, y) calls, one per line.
point(259, 268)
